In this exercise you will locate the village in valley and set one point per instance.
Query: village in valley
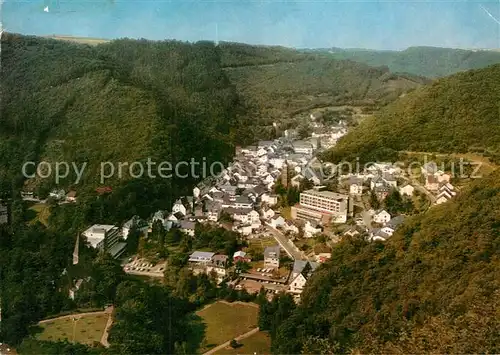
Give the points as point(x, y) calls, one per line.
point(286, 207)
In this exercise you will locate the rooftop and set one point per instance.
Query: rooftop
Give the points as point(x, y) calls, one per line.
point(269, 251)
point(117, 249)
point(326, 194)
point(99, 228)
point(201, 255)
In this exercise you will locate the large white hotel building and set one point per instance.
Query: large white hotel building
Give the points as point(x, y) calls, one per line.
point(315, 204)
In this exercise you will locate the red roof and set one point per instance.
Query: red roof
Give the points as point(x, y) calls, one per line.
point(104, 189)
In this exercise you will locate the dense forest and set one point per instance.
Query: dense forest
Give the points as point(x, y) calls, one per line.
point(282, 83)
point(433, 287)
point(126, 100)
point(431, 62)
point(122, 101)
point(456, 114)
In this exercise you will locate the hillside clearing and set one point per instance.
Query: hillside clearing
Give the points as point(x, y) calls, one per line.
point(259, 343)
point(225, 321)
point(84, 329)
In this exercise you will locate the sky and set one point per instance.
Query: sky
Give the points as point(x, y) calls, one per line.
point(301, 24)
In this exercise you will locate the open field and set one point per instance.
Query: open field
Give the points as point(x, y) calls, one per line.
point(262, 242)
point(486, 166)
point(259, 343)
point(39, 212)
point(85, 329)
point(225, 321)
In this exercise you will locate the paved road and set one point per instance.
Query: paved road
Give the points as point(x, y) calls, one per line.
point(105, 334)
point(222, 346)
point(285, 244)
point(78, 315)
point(423, 190)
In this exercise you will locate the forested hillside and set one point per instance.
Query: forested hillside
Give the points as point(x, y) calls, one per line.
point(460, 113)
point(433, 287)
point(277, 83)
point(122, 101)
point(430, 62)
point(127, 100)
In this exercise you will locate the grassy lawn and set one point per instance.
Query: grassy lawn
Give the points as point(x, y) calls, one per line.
point(286, 213)
point(262, 242)
point(39, 212)
point(85, 330)
point(259, 343)
point(227, 321)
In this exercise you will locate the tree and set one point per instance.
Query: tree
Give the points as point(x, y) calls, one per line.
point(395, 204)
point(133, 237)
point(158, 232)
point(234, 344)
point(242, 266)
point(306, 184)
point(304, 131)
point(374, 201)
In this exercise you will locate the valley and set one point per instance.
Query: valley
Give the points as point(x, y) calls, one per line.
point(345, 213)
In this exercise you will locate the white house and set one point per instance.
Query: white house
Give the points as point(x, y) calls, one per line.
point(382, 217)
point(187, 227)
point(302, 147)
point(355, 186)
point(57, 194)
point(277, 222)
point(302, 271)
point(295, 181)
point(268, 179)
point(429, 168)
point(253, 218)
point(272, 257)
point(311, 230)
point(271, 200)
point(196, 192)
point(290, 227)
point(267, 213)
point(71, 196)
point(201, 257)
point(431, 183)
point(407, 190)
point(213, 211)
point(244, 230)
point(246, 216)
point(443, 177)
point(218, 267)
point(298, 283)
point(136, 222)
point(179, 207)
point(261, 152)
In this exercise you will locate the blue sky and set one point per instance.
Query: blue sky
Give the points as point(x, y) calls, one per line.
point(306, 23)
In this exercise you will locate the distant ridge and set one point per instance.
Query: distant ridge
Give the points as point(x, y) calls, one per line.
point(85, 40)
point(431, 62)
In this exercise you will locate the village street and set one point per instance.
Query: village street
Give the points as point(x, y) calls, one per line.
point(286, 244)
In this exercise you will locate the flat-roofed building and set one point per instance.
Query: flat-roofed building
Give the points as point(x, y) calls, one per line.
point(201, 257)
point(272, 257)
point(306, 214)
point(326, 202)
point(105, 237)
